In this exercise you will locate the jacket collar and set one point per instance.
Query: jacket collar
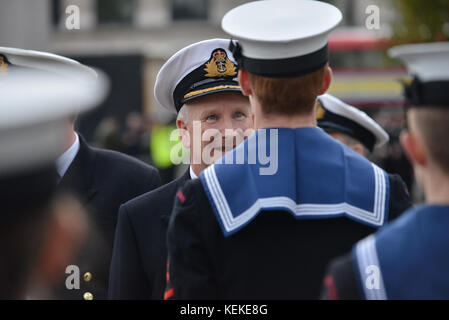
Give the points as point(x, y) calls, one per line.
point(79, 177)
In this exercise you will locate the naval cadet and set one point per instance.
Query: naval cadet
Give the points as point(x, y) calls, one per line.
point(248, 231)
point(408, 259)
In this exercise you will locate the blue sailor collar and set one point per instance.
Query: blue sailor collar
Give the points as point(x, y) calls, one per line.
point(407, 259)
point(303, 171)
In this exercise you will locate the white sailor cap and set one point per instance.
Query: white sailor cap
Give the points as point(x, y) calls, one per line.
point(200, 69)
point(283, 38)
point(333, 115)
point(428, 65)
point(38, 92)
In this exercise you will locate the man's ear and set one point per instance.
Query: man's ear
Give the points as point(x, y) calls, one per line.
point(183, 133)
point(244, 82)
point(359, 149)
point(328, 75)
point(413, 148)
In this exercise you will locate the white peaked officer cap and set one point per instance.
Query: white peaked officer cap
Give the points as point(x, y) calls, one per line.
point(333, 115)
point(39, 92)
point(44, 61)
point(428, 64)
point(281, 38)
point(203, 68)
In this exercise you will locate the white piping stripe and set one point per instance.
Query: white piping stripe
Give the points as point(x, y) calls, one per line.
point(366, 255)
point(381, 189)
point(227, 210)
point(378, 186)
point(376, 196)
point(372, 256)
point(215, 197)
point(369, 261)
point(382, 192)
point(299, 210)
point(362, 263)
point(376, 192)
point(230, 222)
point(224, 206)
point(209, 172)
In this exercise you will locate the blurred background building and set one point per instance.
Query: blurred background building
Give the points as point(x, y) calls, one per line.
point(131, 39)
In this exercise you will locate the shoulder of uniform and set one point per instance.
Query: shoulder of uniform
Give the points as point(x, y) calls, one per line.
point(340, 282)
point(399, 196)
point(153, 199)
point(189, 192)
point(108, 161)
point(397, 181)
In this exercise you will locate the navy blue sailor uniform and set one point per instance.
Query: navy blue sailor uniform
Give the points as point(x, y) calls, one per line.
point(272, 236)
point(258, 227)
point(407, 259)
point(403, 261)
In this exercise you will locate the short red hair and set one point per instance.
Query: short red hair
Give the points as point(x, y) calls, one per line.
point(288, 96)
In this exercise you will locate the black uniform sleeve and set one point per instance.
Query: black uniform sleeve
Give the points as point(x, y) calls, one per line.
point(399, 197)
point(340, 282)
point(127, 279)
point(190, 272)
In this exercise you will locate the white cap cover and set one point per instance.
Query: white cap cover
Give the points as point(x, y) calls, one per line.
point(35, 100)
point(333, 115)
point(428, 64)
point(281, 38)
point(200, 69)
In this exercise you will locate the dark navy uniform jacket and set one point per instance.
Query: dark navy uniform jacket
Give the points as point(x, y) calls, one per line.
point(407, 259)
point(102, 180)
point(138, 268)
point(272, 253)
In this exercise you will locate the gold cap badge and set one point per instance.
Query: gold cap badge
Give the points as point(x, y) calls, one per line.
point(219, 65)
point(320, 111)
point(3, 66)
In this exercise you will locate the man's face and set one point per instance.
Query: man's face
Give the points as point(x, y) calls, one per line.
point(351, 143)
point(216, 124)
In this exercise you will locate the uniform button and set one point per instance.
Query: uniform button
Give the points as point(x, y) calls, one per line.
point(87, 276)
point(88, 296)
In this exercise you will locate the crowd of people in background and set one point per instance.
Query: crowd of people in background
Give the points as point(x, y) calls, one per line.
point(133, 136)
point(139, 137)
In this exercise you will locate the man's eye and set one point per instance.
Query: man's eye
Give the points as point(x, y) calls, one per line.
point(239, 115)
point(211, 118)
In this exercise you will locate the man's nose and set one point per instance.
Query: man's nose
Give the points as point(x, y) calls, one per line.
point(227, 123)
point(230, 123)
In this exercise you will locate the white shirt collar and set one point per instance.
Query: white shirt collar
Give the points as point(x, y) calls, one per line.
point(192, 174)
point(65, 160)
